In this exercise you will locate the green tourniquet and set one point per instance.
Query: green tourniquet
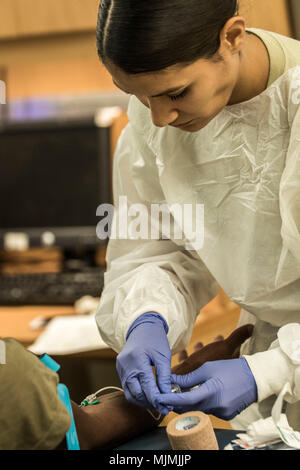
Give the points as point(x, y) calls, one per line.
point(86, 403)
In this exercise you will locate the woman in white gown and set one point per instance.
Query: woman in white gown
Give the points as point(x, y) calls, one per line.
point(214, 123)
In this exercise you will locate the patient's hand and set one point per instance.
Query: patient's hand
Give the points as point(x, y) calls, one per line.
point(220, 349)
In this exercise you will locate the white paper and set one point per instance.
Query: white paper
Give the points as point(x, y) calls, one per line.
point(276, 426)
point(287, 434)
point(68, 335)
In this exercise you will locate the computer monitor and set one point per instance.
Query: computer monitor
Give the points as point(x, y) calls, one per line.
point(54, 173)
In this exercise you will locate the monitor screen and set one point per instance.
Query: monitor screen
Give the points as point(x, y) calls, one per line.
point(53, 177)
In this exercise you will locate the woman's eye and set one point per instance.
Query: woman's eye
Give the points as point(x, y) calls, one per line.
point(177, 97)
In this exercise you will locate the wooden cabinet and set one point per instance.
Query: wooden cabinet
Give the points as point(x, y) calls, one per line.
point(21, 18)
point(271, 15)
point(8, 25)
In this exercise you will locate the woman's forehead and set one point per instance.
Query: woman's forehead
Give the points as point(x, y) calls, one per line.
point(161, 82)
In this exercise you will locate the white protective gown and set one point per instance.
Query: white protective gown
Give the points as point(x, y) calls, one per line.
point(244, 167)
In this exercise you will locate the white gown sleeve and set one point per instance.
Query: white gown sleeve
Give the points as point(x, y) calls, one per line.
point(148, 275)
point(278, 366)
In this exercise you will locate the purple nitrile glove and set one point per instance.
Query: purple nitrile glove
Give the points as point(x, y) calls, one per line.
point(146, 346)
point(225, 389)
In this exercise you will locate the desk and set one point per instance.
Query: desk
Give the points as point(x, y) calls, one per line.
point(83, 373)
point(14, 323)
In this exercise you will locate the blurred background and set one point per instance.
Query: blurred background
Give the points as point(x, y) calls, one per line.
point(48, 47)
point(58, 132)
point(65, 114)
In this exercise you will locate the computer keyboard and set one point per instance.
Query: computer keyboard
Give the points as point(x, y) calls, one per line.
point(62, 288)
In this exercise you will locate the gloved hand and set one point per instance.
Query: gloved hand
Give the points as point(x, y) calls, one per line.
point(226, 389)
point(146, 345)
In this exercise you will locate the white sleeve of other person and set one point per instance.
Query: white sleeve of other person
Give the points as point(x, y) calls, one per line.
point(278, 366)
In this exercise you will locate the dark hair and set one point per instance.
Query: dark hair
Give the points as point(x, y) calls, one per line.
point(141, 36)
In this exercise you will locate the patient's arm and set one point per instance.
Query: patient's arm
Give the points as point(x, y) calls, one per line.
point(111, 422)
point(114, 420)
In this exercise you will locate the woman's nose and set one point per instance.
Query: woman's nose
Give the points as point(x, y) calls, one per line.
point(162, 113)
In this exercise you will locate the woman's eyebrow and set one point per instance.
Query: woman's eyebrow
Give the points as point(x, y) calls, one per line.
point(166, 92)
point(170, 90)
